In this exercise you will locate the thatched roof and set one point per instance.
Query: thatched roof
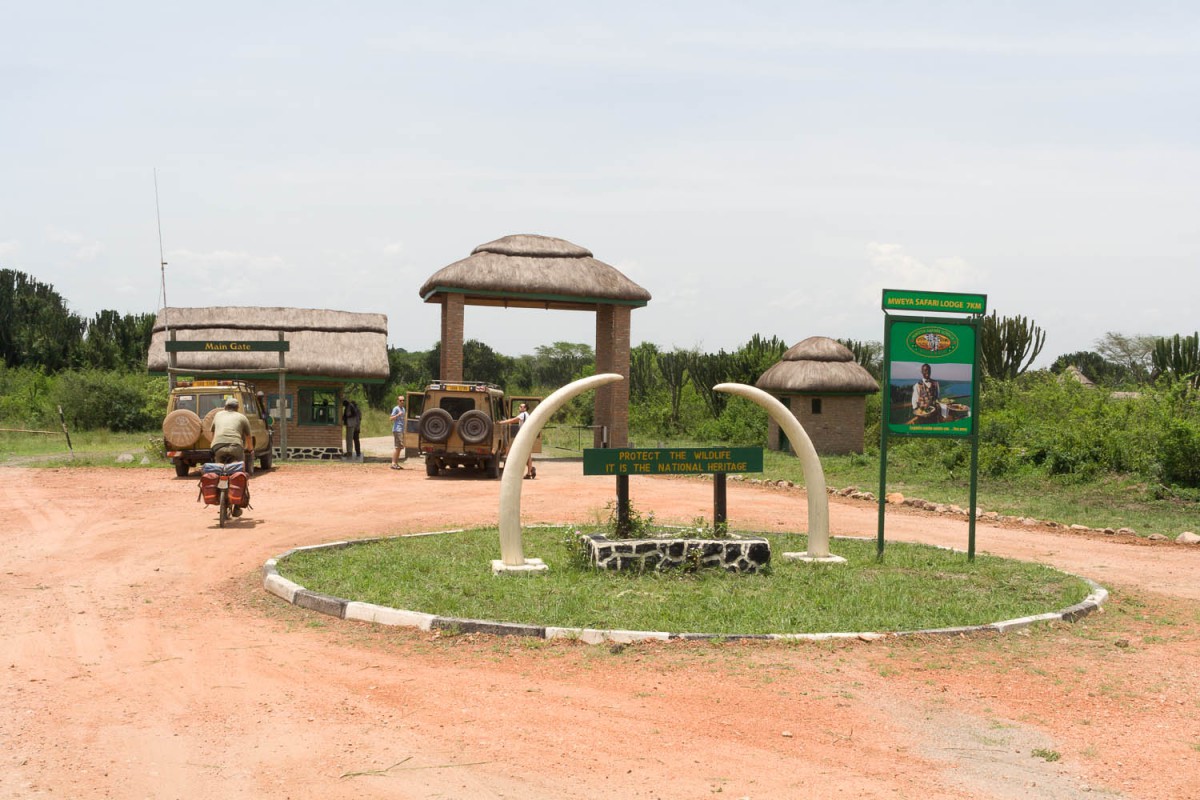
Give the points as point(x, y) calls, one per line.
point(817, 365)
point(531, 271)
point(333, 344)
point(1075, 372)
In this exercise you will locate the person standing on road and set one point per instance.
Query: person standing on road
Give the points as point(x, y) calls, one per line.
point(520, 419)
point(398, 417)
point(352, 419)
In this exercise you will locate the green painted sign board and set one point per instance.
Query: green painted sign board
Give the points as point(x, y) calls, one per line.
point(227, 347)
point(931, 378)
point(940, 302)
point(671, 460)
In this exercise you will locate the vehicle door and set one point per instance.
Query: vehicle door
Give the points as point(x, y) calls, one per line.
point(513, 408)
point(413, 404)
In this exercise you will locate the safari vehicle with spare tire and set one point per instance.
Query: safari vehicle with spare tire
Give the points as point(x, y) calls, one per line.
point(187, 428)
point(458, 426)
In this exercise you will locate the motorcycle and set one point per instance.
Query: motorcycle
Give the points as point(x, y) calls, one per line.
point(225, 486)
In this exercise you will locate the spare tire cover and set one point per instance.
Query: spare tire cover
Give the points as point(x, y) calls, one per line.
point(207, 423)
point(436, 424)
point(181, 428)
point(475, 427)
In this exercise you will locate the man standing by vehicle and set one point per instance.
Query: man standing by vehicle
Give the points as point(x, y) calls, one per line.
point(231, 438)
point(352, 419)
point(398, 416)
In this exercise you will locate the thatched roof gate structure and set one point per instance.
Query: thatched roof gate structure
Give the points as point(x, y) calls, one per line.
point(530, 271)
point(348, 346)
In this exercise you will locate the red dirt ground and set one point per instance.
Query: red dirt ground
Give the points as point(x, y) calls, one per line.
point(143, 659)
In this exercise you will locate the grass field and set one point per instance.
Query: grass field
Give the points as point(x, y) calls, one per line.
point(912, 587)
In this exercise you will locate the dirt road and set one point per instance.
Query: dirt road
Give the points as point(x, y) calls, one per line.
point(142, 659)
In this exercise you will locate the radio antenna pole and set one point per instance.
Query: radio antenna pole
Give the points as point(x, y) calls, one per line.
point(162, 266)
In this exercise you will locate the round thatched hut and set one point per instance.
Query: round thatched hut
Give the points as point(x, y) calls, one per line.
point(530, 271)
point(826, 389)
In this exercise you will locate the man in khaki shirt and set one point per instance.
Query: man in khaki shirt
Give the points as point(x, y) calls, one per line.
point(231, 438)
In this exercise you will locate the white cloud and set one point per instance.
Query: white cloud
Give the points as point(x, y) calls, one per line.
point(891, 267)
point(83, 249)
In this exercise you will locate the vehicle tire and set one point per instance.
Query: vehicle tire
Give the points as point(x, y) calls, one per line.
point(224, 508)
point(264, 461)
point(181, 428)
point(181, 469)
point(431, 468)
point(491, 467)
point(436, 424)
point(475, 427)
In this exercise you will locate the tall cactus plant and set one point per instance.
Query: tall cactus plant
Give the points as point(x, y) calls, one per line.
point(1008, 345)
point(1178, 358)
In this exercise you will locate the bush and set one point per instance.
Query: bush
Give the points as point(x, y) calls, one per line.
point(26, 397)
point(1179, 454)
point(122, 402)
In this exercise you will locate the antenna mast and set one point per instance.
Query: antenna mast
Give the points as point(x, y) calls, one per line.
point(161, 262)
point(162, 266)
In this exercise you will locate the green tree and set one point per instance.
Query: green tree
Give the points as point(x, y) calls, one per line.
point(480, 363)
point(562, 362)
point(1094, 367)
point(36, 327)
point(869, 355)
point(1008, 345)
point(1134, 352)
point(1178, 358)
point(756, 356)
point(673, 369)
point(116, 341)
point(643, 371)
point(706, 370)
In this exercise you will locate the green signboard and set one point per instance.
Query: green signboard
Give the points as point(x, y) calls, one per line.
point(931, 381)
point(941, 302)
point(671, 461)
point(227, 347)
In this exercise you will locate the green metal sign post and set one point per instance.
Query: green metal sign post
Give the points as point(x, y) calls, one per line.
point(931, 380)
point(717, 461)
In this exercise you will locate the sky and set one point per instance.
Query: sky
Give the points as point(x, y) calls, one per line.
point(759, 167)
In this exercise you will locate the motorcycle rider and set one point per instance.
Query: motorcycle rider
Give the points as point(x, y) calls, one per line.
point(231, 438)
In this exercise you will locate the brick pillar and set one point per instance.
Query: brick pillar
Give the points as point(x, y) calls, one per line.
point(604, 363)
point(451, 366)
point(619, 433)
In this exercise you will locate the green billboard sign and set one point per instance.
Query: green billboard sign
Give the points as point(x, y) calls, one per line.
point(931, 377)
point(671, 461)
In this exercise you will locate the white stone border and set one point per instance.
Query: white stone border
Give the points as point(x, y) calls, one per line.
point(339, 607)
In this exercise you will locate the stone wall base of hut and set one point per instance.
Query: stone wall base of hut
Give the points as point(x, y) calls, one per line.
point(733, 555)
point(838, 429)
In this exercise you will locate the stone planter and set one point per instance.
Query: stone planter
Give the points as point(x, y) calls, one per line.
point(733, 555)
